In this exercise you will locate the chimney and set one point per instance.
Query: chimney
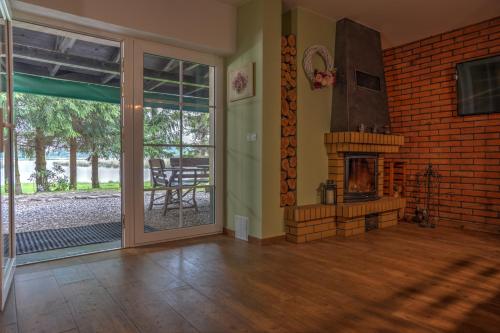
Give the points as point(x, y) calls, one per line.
point(360, 94)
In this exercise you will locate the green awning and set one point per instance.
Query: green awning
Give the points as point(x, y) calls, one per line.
point(40, 85)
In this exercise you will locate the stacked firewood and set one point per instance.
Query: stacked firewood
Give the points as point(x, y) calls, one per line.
point(288, 120)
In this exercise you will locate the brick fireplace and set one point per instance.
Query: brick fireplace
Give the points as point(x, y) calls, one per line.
point(357, 214)
point(343, 146)
point(355, 146)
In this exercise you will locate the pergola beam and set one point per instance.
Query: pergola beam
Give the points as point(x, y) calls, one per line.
point(109, 77)
point(190, 68)
point(83, 63)
point(168, 67)
point(63, 45)
point(192, 92)
point(56, 58)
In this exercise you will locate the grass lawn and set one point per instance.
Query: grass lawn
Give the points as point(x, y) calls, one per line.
point(29, 188)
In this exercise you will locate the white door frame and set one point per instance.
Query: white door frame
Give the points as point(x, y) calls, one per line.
point(7, 276)
point(140, 48)
point(54, 26)
point(126, 42)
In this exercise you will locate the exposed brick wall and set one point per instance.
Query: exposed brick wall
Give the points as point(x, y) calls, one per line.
point(422, 105)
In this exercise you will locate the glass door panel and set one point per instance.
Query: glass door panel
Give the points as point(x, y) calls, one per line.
point(177, 118)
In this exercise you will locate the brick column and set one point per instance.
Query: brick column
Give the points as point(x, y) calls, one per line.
point(336, 165)
point(308, 223)
point(380, 176)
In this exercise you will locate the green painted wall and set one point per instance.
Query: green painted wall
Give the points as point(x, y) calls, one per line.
point(253, 167)
point(272, 224)
point(314, 106)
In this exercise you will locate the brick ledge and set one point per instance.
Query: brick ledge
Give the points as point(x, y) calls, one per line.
point(313, 222)
point(381, 205)
point(364, 138)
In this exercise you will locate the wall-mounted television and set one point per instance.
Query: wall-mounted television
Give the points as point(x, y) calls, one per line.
point(478, 86)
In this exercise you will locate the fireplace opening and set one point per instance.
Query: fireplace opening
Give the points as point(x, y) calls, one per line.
point(360, 177)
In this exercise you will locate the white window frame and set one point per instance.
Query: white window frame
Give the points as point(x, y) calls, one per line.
point(146, 47)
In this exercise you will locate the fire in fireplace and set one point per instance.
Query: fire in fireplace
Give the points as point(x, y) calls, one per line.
point(360, 177)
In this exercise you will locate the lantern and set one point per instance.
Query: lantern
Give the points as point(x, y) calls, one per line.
point(329, 193)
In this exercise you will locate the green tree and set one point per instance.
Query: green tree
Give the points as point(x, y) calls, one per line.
point(72, 111)
point(196, 127)
point(196, 131)
point(36, 128)
point(161, 126)
point(44, 122)
point(100, 134)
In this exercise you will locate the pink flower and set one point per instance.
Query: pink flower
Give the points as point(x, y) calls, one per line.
point(240, 82)
point(323, 79)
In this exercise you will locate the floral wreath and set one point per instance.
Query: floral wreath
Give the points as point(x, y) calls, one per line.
point(319, 79)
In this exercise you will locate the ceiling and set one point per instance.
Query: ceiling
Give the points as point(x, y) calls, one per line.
point(401, 21)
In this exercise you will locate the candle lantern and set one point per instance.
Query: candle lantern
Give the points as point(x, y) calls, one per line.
point(329, 193)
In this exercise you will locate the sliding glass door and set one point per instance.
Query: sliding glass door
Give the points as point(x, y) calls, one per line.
point(176, 142)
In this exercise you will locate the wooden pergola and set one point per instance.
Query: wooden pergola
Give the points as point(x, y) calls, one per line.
point(56, 63)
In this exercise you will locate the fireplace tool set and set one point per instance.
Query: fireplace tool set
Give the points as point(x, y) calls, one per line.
point(428, 190)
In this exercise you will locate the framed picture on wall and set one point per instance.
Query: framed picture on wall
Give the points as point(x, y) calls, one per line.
point(240, 82)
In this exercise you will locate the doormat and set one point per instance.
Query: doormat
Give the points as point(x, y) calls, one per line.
point(52, 239)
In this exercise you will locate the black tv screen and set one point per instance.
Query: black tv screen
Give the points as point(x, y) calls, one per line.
point(478, 86)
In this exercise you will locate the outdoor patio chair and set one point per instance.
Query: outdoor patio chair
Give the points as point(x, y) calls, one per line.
point(195, 172)
point(159, 182)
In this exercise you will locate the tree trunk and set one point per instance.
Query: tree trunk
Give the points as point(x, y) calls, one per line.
point(40, 162)
point(95, 170)
point(73, 147)
point(18, 189)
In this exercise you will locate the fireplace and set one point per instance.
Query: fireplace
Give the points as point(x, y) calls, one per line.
point(360, 183)
point(356, 165)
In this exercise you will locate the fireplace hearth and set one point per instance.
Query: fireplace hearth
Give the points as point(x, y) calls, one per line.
point(360, 177)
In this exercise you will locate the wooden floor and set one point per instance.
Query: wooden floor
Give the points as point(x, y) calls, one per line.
point(402, 279)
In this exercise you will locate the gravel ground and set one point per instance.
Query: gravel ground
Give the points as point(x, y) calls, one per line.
point(154, 218)
point(73, 209)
